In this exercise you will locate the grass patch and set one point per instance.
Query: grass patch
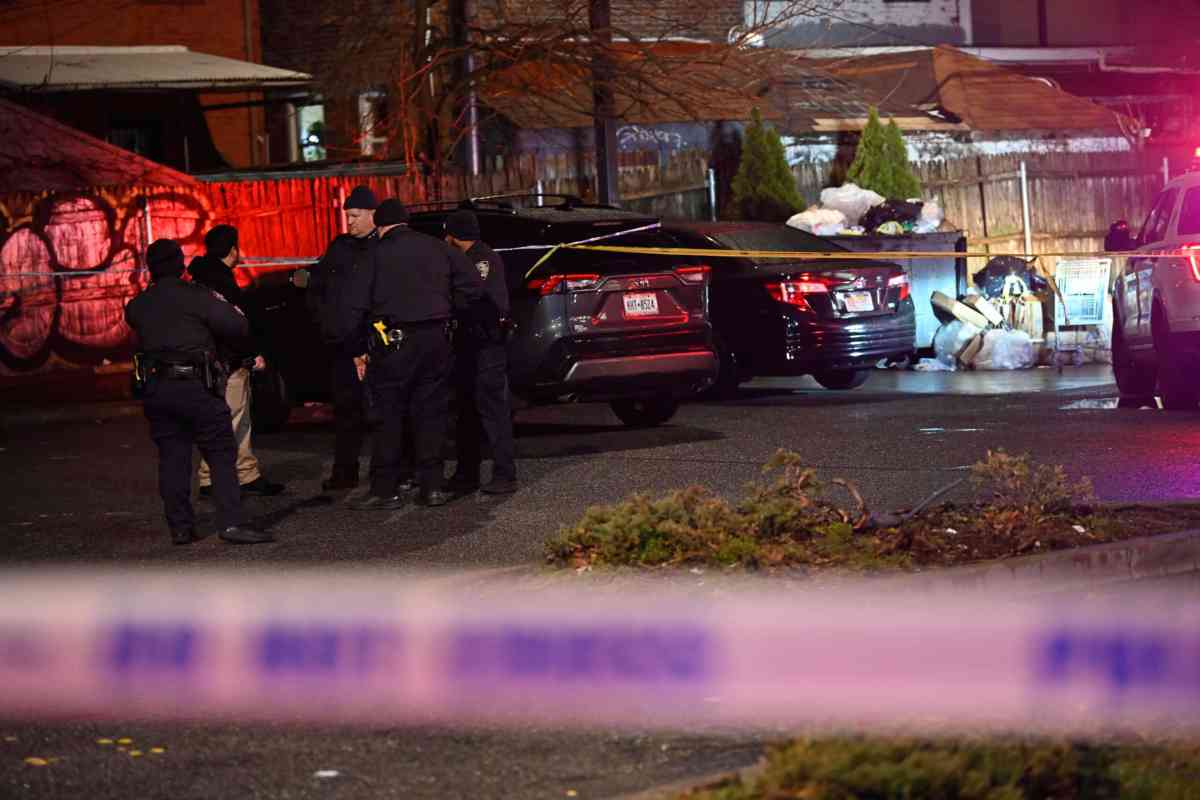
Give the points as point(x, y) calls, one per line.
point(790, 519)
point(967, 769)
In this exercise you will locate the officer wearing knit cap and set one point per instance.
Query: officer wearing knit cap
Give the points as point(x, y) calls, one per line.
point(179, 326)
point(403, 297)
point(327, 283)
point(481, 369)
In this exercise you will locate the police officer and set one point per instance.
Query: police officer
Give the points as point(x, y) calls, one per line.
point(179, 326)
point(481, 370)
point(326, 285)
point(405, 295)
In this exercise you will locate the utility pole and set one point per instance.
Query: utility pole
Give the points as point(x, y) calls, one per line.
point(463, 16)
point(604, 103)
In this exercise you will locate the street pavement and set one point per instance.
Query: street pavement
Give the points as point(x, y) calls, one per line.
point(83, 492)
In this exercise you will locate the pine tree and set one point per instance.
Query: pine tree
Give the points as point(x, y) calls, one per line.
point(868, 170)
point(764, 187)
point(881, 161)
point(902, 183)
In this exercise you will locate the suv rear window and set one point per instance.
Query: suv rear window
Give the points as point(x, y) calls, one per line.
point(1156, 222)
point(1189, 214)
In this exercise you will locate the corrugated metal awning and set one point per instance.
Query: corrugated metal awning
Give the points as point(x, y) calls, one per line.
point(77, 69)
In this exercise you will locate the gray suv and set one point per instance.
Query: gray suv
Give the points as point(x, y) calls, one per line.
point(631, 330)
point(1156, 302)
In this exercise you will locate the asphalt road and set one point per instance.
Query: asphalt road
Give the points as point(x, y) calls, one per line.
point(85, 493)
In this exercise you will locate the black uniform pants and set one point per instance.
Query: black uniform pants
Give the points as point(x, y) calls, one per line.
point(182, 413)
point(411, 389)
point(481, 384)
point(349, 414)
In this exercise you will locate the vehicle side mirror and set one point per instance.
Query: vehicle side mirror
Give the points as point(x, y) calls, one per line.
point(300, 278)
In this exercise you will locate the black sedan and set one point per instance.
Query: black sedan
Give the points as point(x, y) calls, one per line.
point(830, 318)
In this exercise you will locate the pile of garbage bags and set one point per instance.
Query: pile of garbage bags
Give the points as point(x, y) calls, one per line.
point(852, 210)
point(975, 335)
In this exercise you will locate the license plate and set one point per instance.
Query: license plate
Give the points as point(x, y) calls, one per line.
point(859, 301)
point(641, 305)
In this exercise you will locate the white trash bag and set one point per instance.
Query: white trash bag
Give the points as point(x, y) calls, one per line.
point(850, 200)
point(819, 221)
point(950, 339)
point(1006, 350)
point(930, 219)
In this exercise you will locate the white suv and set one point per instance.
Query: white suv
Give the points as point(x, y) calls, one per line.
point(1156, 302)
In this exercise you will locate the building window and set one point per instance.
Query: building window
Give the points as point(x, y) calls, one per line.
point(311, 123)
point(142, 138)
point(372, 122)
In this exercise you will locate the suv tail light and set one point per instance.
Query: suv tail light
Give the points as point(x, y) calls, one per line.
point(793, 292)
point(1193, 256)
point(696, 274)
point(902, 282)
point(570, 283)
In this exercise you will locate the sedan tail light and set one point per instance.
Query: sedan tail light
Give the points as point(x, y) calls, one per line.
point(793, 292)
point(570, 283)
point(902, 282)
point(1193, 255)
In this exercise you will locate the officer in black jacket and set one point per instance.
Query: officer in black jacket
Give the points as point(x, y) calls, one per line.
point(179, 326)
point(481, 370)
point(405, 296)
point(326, 285)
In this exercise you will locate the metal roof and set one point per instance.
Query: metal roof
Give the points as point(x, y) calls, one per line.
point(76, 69)
point(986, 97)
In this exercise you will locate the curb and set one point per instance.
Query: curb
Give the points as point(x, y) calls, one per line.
point(1096, 566)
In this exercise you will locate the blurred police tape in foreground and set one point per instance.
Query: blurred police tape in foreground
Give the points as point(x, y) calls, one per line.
point(373, 648)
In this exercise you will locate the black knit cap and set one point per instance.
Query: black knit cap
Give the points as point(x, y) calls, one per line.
point(165, 259)
point(362, 197)
point(463, 224)
point(220, 240)
point(390, 212)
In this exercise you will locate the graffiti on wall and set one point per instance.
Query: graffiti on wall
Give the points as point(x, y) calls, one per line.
point(70, 262)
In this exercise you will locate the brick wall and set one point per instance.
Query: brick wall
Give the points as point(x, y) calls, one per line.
point(644, 19)
point(208, 26)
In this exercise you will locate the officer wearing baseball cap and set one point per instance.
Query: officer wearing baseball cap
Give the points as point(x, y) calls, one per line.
point(403, 298)
point(481, 370)
point(177, 374)
point(328, 281)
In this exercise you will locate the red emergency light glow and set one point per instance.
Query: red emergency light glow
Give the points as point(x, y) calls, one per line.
point(1191, 250)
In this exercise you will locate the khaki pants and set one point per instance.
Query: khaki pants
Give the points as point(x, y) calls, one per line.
point(237, 397)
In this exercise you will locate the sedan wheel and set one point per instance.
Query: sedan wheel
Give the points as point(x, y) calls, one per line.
point(645, 412)
point(842, 378)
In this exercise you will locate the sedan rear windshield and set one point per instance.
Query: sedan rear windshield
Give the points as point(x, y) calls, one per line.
point(775, 239)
